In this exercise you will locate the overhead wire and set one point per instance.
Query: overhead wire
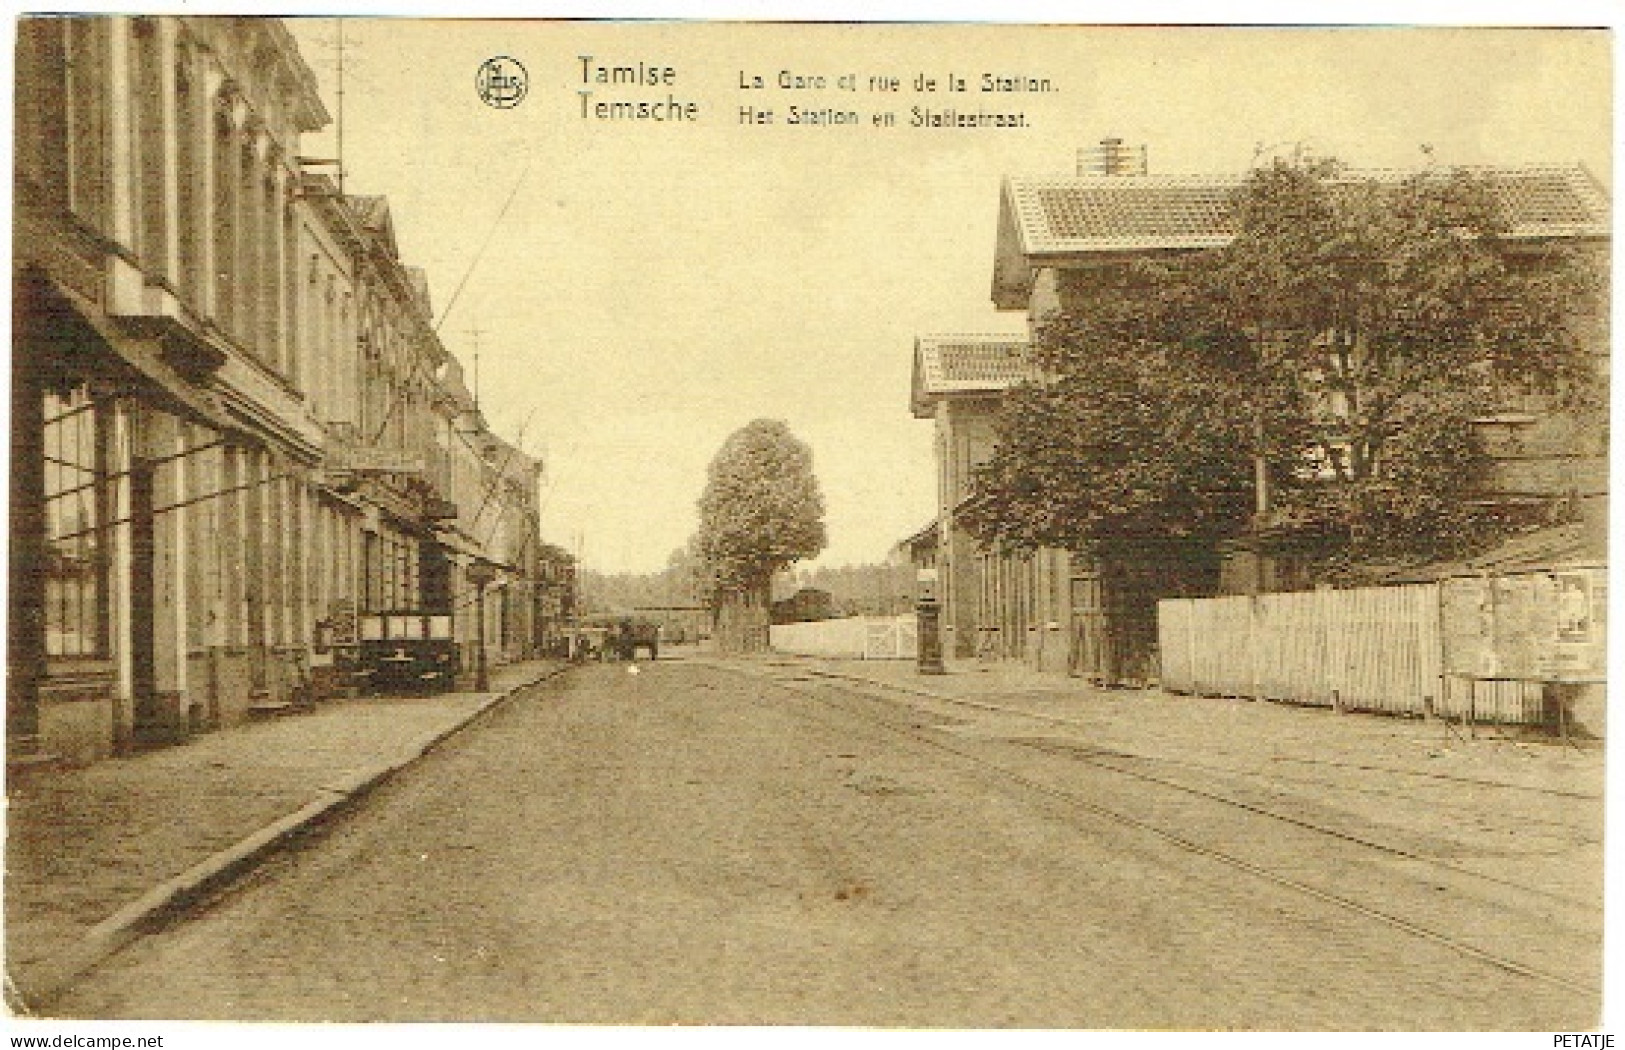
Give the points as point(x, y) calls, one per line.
point(457, 293)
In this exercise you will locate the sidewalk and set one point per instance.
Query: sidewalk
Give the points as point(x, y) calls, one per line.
point(1517, 807)
point(95, 854)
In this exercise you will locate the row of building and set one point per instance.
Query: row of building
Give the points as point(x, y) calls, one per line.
point(235, 431)
point(1097, 617)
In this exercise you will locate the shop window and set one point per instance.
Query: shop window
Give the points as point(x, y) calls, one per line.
point(76, 493)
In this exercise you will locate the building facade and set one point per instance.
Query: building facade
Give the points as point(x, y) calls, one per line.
point(224, 423)
point(994, 605)
point(1052, 609)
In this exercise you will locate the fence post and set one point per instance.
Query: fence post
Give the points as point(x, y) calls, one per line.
point(1190, 647)
point(1254, 634)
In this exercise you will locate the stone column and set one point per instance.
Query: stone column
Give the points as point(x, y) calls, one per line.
point(164, 446)
point(277, 513)
point(217, 613)
point(120, 461)
point(234, 564)
point(180, 518)
point(254, 574)
point(300, 536)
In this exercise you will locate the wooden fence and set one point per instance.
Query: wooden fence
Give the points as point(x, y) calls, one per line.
point(1482, 647)
point(1370, 649)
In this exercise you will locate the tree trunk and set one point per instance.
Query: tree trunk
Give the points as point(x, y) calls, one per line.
point(741, 619)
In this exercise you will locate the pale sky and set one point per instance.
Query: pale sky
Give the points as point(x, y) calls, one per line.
point(654, 287)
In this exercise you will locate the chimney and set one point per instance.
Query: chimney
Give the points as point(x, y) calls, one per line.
point(1112, 157)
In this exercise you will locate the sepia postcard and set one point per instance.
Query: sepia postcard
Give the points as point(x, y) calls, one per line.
point(855, 527)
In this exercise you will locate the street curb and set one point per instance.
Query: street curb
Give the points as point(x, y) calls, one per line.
point(29, 993)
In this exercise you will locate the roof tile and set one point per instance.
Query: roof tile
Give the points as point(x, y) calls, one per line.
point(967, 364)
point(970, 362)
point(1096, 213)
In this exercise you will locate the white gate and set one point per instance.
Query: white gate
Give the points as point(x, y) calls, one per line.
point(852, 638)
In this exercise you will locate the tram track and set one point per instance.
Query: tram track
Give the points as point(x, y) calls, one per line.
point(1109, 759)
point(1101, 758)
point(817, 686)
point(1316, 827)
point(1058, 720)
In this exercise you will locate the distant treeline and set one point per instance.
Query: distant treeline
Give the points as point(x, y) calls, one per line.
point(855, 590)
point(622, 591)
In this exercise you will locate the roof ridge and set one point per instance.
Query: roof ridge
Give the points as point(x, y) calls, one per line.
point(1102, 213)
point(1215, 177)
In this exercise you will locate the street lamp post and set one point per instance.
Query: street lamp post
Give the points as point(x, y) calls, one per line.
point(480, 574)
point(929, 624)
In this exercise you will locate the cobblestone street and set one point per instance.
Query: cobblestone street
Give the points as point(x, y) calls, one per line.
point(692, 844)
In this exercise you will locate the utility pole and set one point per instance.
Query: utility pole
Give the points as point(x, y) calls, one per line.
point(475, 333)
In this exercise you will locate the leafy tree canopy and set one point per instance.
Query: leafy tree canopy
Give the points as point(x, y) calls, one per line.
point(1339, 346)
point(762, 509)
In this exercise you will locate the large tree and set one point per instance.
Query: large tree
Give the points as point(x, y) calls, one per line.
point(761, 512)
point(1392, 313)
point(1321, 371)
point(1134, 431)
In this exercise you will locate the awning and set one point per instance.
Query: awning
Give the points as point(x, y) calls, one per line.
point(56, 328)
point(926, 535)
point(456, 540)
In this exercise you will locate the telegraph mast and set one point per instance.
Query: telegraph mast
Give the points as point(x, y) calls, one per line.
point(475, 333)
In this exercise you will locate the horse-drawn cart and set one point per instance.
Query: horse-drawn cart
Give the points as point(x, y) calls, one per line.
point(613, 638)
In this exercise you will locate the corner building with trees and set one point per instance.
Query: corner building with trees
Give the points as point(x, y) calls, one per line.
point(1060, 238)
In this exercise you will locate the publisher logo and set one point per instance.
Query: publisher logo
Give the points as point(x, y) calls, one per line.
point(502, 82)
